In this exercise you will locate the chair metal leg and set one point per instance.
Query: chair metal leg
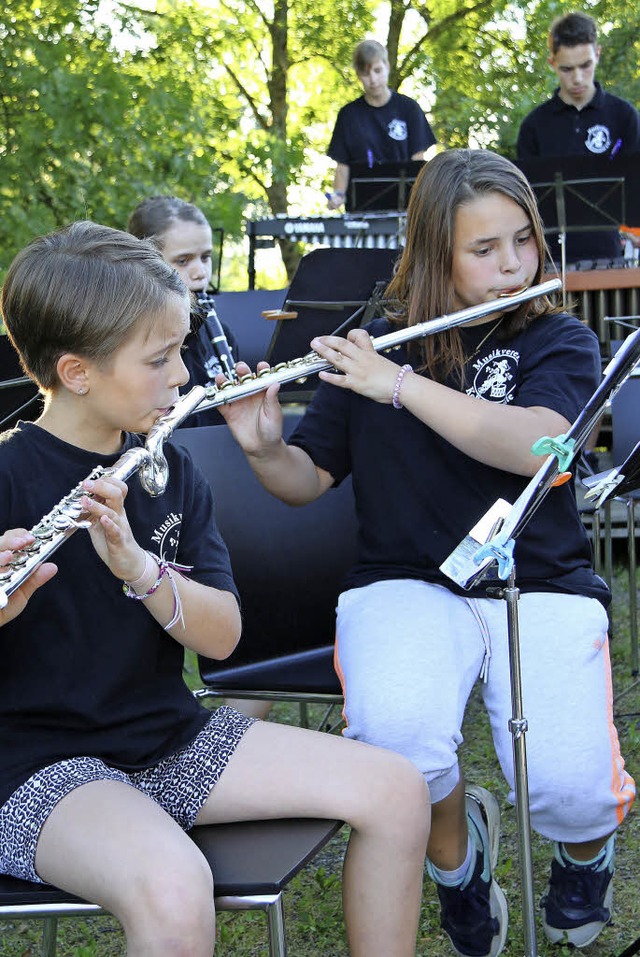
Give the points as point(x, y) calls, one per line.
point(596, 532)
point(608, 544)
point(633, 592)
point(273, 906)
point(49, 937)
point(275, 924)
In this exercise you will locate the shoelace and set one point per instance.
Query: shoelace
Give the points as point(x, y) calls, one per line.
point(579, 887)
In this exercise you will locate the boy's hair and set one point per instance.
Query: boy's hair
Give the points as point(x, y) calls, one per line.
point(366, 53)
point(153, 216)
point(572, 30)
point(82, 289)
point(422, 287)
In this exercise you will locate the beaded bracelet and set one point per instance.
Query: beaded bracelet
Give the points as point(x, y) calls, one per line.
point(164, 568)
point(395, 398)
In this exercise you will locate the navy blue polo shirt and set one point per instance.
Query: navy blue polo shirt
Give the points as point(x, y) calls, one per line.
point(556, 128)
point(606, 125)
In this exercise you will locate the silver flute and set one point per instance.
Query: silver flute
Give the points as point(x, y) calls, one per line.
point(150, 461)
point(312, 363)
point(69, 514)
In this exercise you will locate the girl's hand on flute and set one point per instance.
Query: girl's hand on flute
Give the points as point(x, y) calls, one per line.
point(10, 542)
point(256, 420)
point(359, 367)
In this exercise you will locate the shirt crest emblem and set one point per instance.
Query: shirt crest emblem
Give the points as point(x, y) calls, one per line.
point(494, 376)
point(397, 130)
point(598, 139)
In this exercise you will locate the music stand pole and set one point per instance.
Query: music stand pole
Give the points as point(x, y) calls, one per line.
point(561, 212)
point(518, 727)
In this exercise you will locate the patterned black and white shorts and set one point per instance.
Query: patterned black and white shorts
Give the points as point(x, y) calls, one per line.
point(180, 784)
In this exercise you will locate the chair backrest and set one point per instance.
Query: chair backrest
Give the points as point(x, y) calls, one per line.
point(242, 312)
point(288, 564)
point(331, 289)
point(18, 394)
point(625, 415)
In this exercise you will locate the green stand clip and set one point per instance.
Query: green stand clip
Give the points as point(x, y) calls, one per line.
point(561, 447)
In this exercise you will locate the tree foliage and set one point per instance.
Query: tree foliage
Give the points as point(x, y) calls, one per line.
point(230, 103)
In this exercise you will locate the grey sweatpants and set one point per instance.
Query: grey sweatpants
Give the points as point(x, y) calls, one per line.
point(409, 654)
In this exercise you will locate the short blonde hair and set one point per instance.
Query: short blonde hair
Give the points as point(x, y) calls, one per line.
point(366, 53)
point(83, 289)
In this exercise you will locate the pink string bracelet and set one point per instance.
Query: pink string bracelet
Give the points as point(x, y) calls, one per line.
point(395, 398)
point(164, 568)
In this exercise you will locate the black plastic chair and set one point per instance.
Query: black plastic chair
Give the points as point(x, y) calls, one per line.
point(332, 289)
point(618, 513)
point(288, 564)
point(251, 862)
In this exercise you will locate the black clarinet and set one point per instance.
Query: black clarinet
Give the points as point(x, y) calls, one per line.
point(219, 343)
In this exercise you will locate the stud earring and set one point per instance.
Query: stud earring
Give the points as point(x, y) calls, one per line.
point(82, 391)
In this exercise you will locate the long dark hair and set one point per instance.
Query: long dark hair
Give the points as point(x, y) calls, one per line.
point(421, 288)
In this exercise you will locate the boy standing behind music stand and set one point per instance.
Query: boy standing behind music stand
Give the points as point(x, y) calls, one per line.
point(380, 126)
point(580, 119)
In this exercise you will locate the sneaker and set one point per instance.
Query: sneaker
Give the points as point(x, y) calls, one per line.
point(474, 916)
point(577, 902)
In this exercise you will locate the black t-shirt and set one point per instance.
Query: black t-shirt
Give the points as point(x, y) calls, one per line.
point(379, 134)
point(417, 496)
point(84, 669)
point(555, 128)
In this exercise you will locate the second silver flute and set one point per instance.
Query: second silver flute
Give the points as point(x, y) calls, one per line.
point(312, 363)
point(69, 515)
point(150, 461)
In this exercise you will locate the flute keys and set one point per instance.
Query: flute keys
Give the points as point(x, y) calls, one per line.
point(18, 559)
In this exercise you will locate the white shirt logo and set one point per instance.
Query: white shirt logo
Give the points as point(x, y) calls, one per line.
point(397, 130)
point(598, 139)
point(495, 376)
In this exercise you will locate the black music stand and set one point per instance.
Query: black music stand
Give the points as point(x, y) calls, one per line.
point(584, 200)
point(218, 240)
point(19, 395)
point(333, 290)
point(383, 186)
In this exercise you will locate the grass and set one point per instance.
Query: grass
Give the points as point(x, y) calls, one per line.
point(312, 901)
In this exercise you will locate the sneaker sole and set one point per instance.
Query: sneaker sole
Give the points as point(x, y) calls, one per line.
point(579, 936)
